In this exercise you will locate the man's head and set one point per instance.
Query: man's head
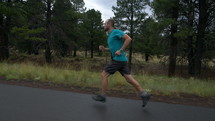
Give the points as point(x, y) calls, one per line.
point(109, 24)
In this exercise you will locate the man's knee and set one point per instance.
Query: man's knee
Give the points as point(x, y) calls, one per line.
point(104, 74)
point(129, 78)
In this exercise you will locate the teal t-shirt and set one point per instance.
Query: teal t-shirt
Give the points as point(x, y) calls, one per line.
point(115, 43)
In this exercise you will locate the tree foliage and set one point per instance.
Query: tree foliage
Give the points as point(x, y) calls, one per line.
point(128, 16)
point(193, 25)
point(178, 29)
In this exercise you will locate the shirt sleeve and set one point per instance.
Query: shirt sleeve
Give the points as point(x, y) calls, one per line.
point(120, 34)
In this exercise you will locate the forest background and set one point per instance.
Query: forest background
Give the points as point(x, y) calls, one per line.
point(178, 39)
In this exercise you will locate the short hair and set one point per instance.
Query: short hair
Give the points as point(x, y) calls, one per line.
point(111, 21)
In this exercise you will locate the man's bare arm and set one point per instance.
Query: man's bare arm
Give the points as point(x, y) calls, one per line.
point(127, 41)
point(102, 48)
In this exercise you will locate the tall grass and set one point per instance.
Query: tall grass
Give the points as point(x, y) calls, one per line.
point(176, 85)
point(87, 78)
point(46, 73)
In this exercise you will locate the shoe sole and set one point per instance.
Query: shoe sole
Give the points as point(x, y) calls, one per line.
point(146, 100)
point(103, 101)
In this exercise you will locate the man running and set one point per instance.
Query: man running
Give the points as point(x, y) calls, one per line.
point(117, 43)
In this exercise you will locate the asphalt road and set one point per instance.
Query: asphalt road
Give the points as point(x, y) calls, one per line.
point(19, 103)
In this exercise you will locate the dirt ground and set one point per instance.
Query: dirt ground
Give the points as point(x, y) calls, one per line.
point(184, 99)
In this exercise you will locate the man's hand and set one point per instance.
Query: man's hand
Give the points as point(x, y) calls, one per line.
point(101, 48)
point(118, 52)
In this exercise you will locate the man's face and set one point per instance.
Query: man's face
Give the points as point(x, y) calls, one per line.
point(106, 26)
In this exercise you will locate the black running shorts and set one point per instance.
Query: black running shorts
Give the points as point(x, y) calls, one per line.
point(121, 66)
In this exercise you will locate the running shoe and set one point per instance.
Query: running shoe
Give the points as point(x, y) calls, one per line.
point(100, 98)
point(145, 97)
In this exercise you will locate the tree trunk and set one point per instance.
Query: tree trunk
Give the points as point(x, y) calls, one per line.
point(48, 53)
point(2, 37)
point(173, 41)
point(146, 57)
point(190, 55)
point(4, 40)
point(131, 31)
point(64, 49)
point(190, 39)
point(4, 51)
point(130, 54)
point(200, 36)
point(86, 50)
point(75, 52)
point(48, 27)
point(92, 48)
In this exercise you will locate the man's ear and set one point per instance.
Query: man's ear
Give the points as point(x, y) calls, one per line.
point(108, 23)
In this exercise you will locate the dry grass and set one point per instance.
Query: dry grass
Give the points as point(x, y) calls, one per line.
point(87, 78)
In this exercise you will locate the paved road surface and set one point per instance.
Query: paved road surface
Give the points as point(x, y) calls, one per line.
point(31, 104)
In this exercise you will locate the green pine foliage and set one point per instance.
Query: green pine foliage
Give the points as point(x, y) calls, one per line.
point(25, 28)
point(25, 33)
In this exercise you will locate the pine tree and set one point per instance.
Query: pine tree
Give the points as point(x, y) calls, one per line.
point(204, 13)
point(148, 39)
point(128, 16)
point(49, 34)
point(10, 11)
point(167, 10)
point(34, 21)
point(93, 24)
point(4, 29)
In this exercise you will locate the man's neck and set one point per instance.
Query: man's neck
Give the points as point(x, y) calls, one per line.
point(109, 31)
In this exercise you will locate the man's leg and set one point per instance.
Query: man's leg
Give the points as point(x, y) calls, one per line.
point(144, 95)
point(134, 82)
point(104, 76)
point(102, 97)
